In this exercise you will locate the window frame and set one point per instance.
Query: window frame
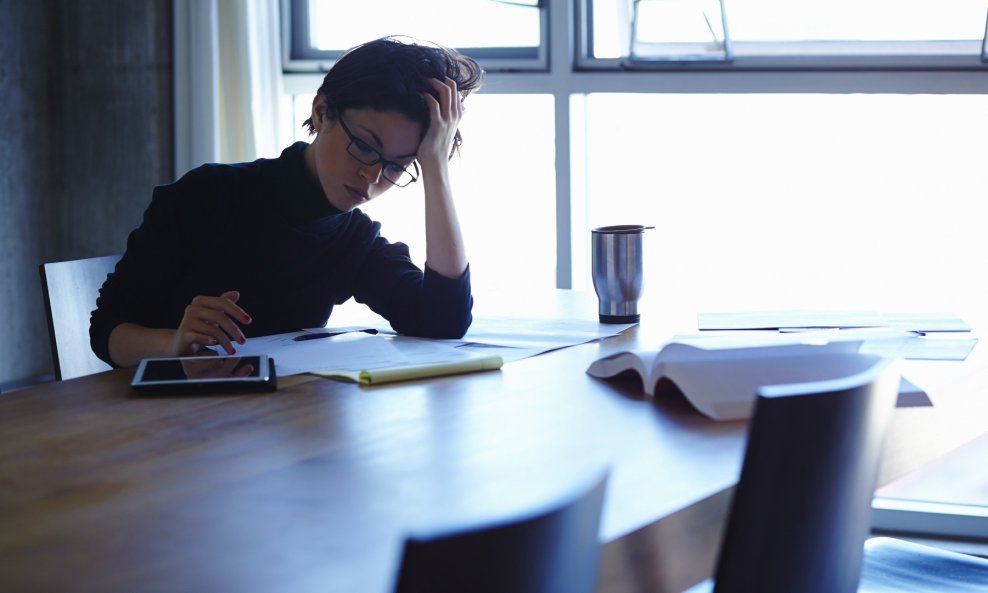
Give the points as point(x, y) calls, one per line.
point(984, 44)
point(797, 56)
point(846, 56)
point(298, 55)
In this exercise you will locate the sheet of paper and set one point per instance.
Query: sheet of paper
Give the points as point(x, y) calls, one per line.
point(354, 351)
point(924, 322)
point(514, 338)
point(510, 338)
point(732, 339)
point(889, 342)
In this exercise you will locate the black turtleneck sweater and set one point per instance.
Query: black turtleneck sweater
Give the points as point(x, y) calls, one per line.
point(267, 230)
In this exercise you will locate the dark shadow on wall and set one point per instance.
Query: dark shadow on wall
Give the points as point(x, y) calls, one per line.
point(86, 132)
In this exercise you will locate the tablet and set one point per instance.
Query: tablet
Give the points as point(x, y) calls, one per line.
point(206, 374)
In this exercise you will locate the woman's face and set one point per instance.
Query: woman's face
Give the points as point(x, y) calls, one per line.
point(346, 181)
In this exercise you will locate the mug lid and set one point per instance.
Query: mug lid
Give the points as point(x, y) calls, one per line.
point(622, 229)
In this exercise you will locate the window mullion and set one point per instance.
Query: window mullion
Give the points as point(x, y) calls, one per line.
point(561, 51)
point(984, 43)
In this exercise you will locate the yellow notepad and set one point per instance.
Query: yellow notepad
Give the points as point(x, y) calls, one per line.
point(408, 372)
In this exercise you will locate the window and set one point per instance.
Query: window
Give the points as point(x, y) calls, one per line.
point(775, 201)
point(781, 33)
point(588, 69)
point(509, 214)
point(500, 34)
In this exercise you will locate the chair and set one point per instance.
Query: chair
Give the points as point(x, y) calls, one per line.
point(802, 508)
point(555, 550)
point(801, 512)
point(70, 289)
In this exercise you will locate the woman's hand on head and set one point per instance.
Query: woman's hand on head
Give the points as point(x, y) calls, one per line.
point(209, 321)
point(444, 251)
point(444, 115)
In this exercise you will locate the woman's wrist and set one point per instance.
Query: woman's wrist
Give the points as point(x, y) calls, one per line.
point(130, 343)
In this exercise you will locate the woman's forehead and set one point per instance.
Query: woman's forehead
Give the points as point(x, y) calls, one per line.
point(388, 131)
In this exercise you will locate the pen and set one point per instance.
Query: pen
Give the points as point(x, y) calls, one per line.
point(305, 337)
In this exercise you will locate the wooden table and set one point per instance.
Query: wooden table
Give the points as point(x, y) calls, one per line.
point(313, 487)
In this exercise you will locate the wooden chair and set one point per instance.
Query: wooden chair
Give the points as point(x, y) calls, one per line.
point(555, 550)
point(70, 289)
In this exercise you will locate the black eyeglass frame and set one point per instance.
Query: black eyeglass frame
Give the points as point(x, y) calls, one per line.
point(385, 162)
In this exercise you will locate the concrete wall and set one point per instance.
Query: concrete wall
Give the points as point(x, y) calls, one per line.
point(86, 131)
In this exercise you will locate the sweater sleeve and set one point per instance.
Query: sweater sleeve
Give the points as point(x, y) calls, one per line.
point(139, 289)
point(416, 303)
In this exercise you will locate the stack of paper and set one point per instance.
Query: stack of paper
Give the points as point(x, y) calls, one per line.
point(933, 336)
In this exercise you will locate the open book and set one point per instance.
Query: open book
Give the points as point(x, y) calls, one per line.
point(719, 375)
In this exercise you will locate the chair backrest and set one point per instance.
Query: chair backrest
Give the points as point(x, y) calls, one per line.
point(802, 508)
point(556, 550)
point(70, 289)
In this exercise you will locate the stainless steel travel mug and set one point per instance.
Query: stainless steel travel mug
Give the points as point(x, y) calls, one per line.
point(617, 271)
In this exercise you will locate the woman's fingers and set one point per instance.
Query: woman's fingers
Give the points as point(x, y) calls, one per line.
point(212, 320)
point(444, 113)
point(448, 103)
point(232, 309)
point(455, 105)
point(217, 336)
point(195, 341)
point(222, 319)
point(197, 332)
point(443, 101)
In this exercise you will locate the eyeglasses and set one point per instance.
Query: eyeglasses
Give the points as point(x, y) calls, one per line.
point(367, 155)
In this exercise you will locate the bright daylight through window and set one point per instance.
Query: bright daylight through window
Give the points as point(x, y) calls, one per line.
point(782, 28)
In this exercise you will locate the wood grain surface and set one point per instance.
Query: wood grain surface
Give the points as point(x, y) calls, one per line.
point(312, 488)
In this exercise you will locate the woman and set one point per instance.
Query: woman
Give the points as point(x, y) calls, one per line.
point(231, 251)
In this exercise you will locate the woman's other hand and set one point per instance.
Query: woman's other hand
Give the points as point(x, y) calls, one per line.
point(444, 250)
point(209, 321)
point(444, 114)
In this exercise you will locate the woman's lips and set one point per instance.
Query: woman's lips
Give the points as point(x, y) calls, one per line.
point(356, 194)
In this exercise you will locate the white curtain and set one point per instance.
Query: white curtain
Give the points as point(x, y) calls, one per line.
point(229, 97)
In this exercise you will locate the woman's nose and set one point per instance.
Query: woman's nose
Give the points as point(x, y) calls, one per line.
point(372, 173)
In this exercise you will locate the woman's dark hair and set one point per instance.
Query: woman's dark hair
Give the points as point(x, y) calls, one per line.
point(391, 73)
